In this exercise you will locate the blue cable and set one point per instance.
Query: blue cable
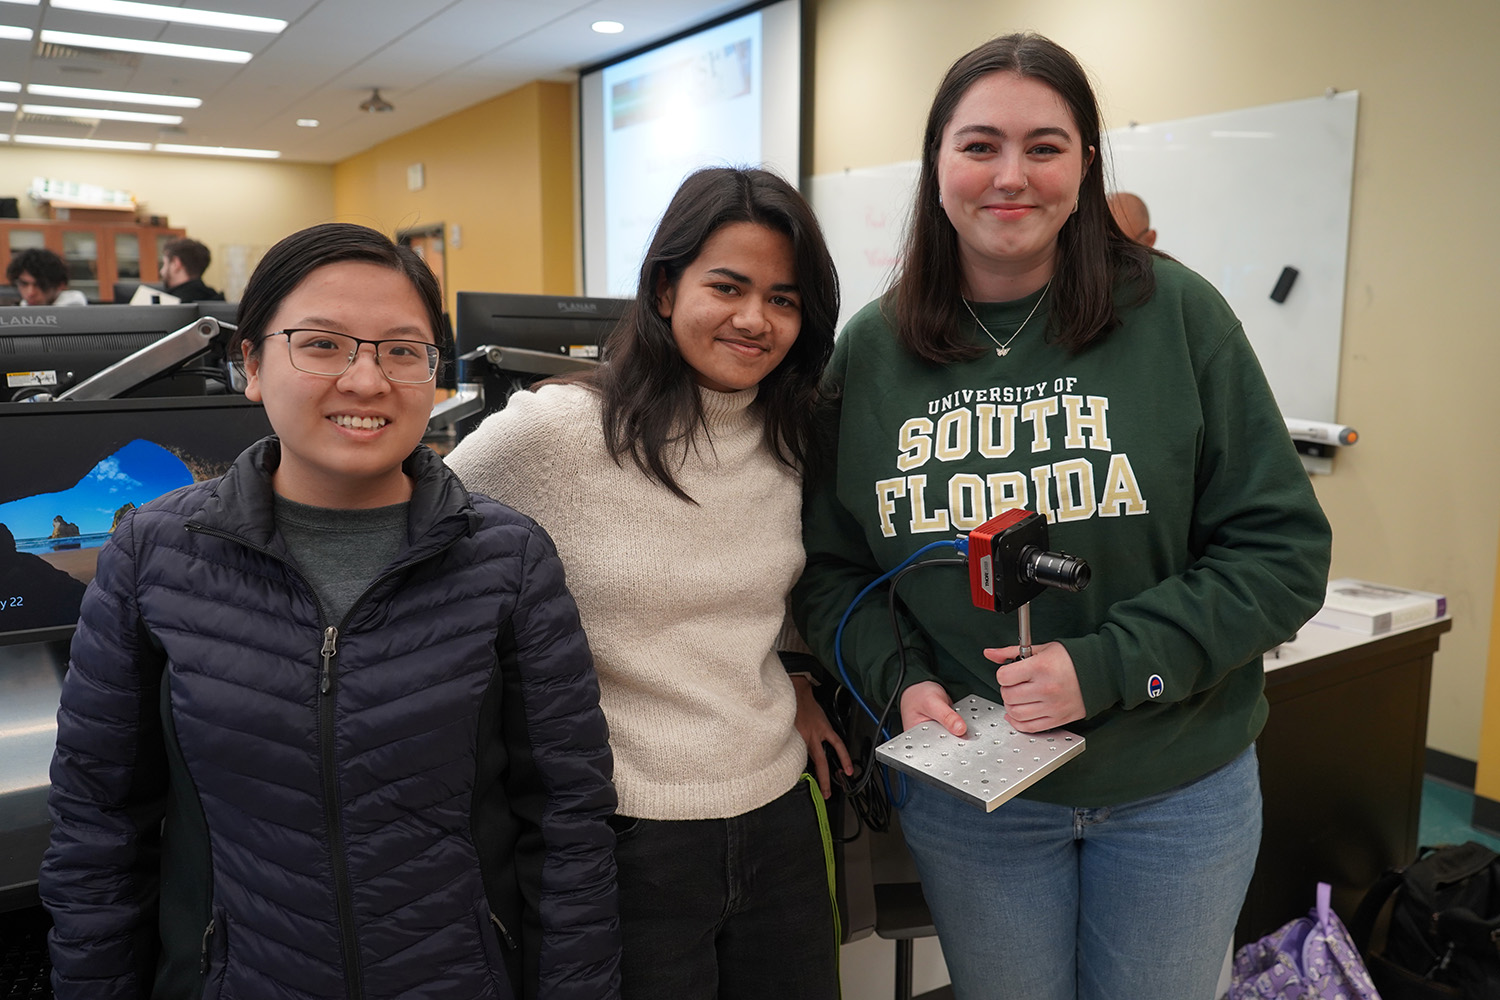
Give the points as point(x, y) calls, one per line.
point(960, 545)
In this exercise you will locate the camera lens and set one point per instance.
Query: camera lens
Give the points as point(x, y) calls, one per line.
point(1055, 569)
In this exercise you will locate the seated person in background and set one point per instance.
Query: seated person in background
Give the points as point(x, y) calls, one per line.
point(1132, 217)
point(42, 280)
point(183, 262)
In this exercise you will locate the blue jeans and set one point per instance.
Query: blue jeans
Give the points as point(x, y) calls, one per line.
point(1130, 902)
point(727, 909)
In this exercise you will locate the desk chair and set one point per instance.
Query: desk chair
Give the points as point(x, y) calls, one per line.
point(901, 915)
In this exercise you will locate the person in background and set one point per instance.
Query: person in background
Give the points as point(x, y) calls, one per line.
point(670, 476)
point(41, 278)
point(1030, 355)
point(183, 262)
point(330, 726)
point(1130, 214)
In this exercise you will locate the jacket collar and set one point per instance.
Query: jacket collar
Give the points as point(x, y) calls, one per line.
point(242, 503)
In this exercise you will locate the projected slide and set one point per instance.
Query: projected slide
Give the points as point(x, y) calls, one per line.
point(694, 103)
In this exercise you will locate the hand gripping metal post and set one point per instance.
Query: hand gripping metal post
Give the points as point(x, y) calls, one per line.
point(1009, 565)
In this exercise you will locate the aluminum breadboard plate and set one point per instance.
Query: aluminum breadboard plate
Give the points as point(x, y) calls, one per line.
point(990, 764)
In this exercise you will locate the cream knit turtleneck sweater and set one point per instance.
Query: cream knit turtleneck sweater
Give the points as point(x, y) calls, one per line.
point(682, 604)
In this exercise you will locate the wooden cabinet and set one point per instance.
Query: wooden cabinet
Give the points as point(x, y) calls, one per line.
point(96, 254)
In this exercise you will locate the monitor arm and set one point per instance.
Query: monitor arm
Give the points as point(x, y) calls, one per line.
point(469, 400)
point(147, 363)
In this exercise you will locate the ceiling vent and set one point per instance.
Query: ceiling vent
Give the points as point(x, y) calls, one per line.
point(66, 53)
point(56, 121)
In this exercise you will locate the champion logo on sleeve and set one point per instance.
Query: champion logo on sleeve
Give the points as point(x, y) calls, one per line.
point(1154, 686)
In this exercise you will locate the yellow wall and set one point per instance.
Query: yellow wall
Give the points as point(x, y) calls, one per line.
point(1415, 502)
point(222, 203)
point(502, 171)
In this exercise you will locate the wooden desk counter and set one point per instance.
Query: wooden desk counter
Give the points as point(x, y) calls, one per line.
point(1341, 760)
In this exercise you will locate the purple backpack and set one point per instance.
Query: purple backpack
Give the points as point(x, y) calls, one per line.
point(1311, 958)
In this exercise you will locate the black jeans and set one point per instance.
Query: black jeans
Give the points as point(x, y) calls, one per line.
point(733, 909)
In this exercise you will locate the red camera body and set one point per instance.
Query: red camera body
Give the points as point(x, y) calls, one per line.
point(998, 551)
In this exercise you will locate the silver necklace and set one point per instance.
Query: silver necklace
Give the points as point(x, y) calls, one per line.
point(1001, 350)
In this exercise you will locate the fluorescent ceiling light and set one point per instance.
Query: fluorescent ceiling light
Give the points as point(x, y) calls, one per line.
point(122, 96)
point(24, 3)
point(179, 15)
point(13, 33)
point(308, 122)
point(112, 44)
point(57, 140)
point(264, 154)
point(108, 114)
point(608, 27)
point(4, 106)
point(6, 86)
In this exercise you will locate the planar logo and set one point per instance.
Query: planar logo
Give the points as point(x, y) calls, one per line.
point(26, 319)
point(577, 307)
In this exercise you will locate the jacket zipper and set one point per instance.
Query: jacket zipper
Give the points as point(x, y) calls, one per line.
point(510, 942)
point(342, 891)
point(328, 653)
point(208, 933)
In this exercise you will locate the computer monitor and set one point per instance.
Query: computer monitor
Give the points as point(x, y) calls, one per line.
point(49, 349)
point(72, 468)
point(560, 325)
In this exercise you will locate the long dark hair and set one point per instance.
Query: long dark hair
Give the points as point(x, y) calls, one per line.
point(290, 261)
point(1093, 255)
point(650, 399)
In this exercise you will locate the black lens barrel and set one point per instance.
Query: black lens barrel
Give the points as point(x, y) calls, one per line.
point(1054, 569)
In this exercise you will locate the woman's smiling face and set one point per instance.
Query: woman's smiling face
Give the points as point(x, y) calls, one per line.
point(344, 437)
point(1008, 170)
point(735, 311)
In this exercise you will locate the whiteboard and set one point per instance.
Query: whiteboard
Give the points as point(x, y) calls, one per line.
point(1237, 196)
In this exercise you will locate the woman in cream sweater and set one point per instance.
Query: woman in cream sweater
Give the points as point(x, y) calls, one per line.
point(670, 478)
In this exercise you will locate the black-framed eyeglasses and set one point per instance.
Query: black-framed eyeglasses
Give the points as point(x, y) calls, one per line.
point(323, 352)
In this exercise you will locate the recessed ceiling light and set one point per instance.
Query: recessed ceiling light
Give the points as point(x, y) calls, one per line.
point(111, 43)
point(122, 96)
point(108, 114)
point(57, 140)
point(13, 33)
point(308, 122)
point(608, 27)
point(180, 15)
point(263, 154)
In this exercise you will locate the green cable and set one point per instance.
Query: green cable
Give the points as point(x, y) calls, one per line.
point(822, 810)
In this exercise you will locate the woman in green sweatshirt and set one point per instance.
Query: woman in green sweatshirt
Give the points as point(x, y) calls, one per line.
point(1030, 355)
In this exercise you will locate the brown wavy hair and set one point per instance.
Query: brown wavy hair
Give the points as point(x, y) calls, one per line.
point(1094, 256)
point(652, 409)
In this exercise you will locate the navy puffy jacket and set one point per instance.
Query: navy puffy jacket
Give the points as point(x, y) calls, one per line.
point(247, 803)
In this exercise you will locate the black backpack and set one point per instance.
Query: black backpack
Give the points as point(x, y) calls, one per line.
point(1443, 938)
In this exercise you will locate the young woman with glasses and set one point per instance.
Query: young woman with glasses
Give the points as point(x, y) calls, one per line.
point(331, 726)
